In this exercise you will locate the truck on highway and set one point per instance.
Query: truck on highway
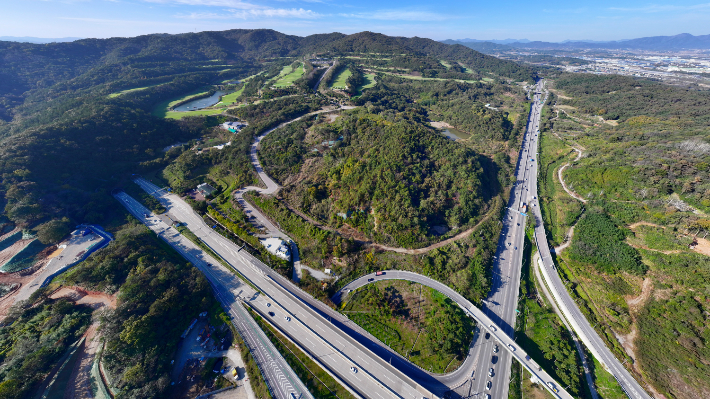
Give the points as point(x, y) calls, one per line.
point(524, 208)
point(380, 274)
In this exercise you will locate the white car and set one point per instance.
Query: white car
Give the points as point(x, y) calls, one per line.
point(288, 318)
point(495, 348)
point(489, 385)
point(353, 369)
point(512, 348)
point(492, 327)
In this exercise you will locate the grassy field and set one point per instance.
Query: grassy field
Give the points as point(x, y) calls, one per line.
point(232, 97)
point(291, 75)
point(421, 78)
point(339, 81)
point(560, 211)
point(369, 82)
point(446, 64)
point(113, 95)
point(199, 112)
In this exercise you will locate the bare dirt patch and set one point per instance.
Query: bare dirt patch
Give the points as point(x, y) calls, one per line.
point(79, 385)
point(637, 224)
point(635, 303)
point(440, 125)
point(703, 246)
point(81, 296)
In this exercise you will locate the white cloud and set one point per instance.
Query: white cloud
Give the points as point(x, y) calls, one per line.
point(238, 4)
point(651, 8)
point(299, 13)
point(399, 15)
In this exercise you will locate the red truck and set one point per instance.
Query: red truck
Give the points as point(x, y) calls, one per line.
point(380, 274)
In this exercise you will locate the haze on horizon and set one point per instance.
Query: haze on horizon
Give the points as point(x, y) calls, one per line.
point(551, 21)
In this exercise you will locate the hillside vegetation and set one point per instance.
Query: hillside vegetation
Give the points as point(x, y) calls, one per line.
point(638, 259)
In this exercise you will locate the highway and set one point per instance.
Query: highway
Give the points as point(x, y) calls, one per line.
point(500, 338)
point(311, 323)
point(501, 304)
point(229, 290)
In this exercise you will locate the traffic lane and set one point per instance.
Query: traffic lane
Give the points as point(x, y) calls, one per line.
point(358, 380)
point(316, 327)
point(210, 238)
point(273, 374)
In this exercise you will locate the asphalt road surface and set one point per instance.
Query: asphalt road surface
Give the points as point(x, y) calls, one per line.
point(501, 304)
point(575, 317)
point(74, 247)
point(310, 325)
point(229, 290)
point(502, 340)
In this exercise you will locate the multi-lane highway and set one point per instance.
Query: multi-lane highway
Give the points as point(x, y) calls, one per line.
point(500, 339)
point(375, 376)
point(228, 290)
point(502, 302)
point(310, 324)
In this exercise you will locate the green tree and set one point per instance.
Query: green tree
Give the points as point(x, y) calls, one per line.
point(53, 231)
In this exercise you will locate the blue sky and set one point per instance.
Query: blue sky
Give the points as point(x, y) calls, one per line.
point(541, 20)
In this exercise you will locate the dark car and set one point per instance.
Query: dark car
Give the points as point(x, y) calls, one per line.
point(272, 314)
point(488, 335)
point(370, 279)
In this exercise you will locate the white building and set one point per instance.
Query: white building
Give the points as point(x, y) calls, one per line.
point(278, 247)
point(233, 127)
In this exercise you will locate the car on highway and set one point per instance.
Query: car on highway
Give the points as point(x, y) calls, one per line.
point(512, 348)
point(353, 369)
point(287, 318)
point(492, 327)
point(489, 385)
point(487, 396)
point(268, 305)
point(495, 348)
point(552, 386)
point(370, 280)
point(488, 335)
point(516, 248)
point(490, 372)
point(272, 314)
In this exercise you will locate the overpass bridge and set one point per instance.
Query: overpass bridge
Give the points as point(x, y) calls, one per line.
point(484, 322)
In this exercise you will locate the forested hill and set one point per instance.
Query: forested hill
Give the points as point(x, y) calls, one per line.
point(50, 70)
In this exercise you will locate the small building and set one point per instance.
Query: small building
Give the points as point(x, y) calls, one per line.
point(233, 127)
point(205, 189)
point(278, 247)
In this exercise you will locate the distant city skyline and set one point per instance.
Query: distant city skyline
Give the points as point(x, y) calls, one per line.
point(553, 21)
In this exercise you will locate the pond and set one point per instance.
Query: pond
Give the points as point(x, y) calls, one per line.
point(455, 134)
point(200, 103)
